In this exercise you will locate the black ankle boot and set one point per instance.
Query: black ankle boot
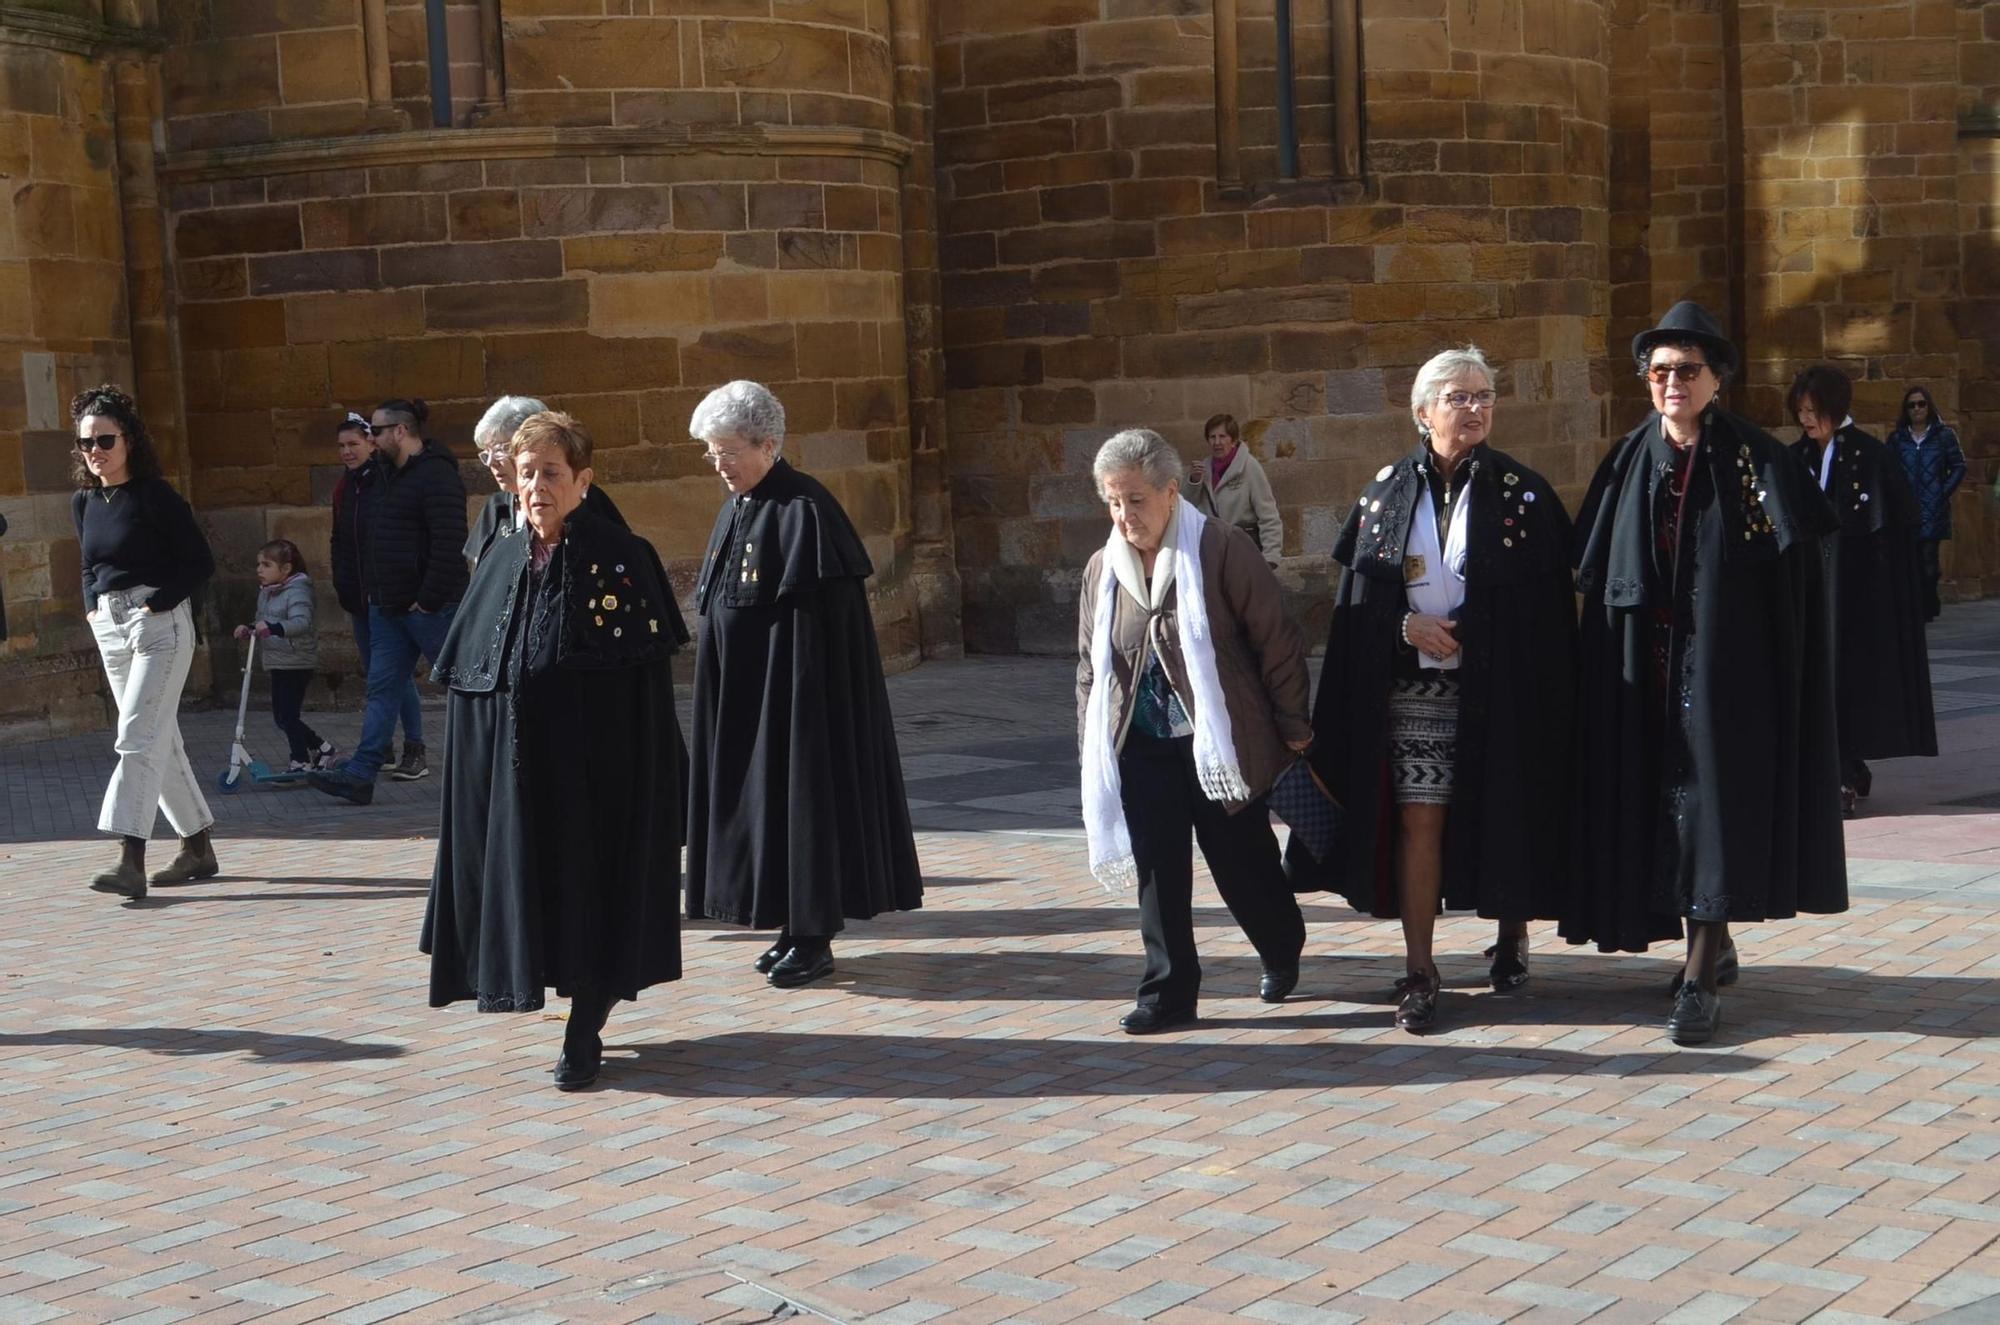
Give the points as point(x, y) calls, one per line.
point(129, 878)
point(583, 1045)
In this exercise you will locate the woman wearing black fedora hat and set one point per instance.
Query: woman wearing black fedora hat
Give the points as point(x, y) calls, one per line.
point(1708, 769)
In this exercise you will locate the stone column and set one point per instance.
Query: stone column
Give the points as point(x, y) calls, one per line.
point(934, 566)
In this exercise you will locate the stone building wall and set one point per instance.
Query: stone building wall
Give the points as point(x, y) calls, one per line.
point(965, 240)
point(66, 322)
point(1097, 277)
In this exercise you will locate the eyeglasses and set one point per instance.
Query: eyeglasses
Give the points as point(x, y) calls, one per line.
point(1915, 404)
point(1680, 372)
point(488, 454)
point(104, 441)
point(1470, 399)
point(722, 457)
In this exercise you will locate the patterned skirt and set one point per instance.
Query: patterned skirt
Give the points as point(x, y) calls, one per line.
point(1423, 739)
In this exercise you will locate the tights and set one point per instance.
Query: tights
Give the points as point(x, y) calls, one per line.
point(1707, 941)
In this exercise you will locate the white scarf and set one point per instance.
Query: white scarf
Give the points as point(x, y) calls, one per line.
point(1179, 559)
point(1435, 584)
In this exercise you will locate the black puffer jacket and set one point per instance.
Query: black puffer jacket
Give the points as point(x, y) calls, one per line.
point(415, 544)
point(355, 500)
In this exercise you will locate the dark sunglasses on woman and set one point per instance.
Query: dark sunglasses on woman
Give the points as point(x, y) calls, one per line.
point(103, 441)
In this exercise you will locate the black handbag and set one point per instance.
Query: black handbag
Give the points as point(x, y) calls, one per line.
point(1308, 808)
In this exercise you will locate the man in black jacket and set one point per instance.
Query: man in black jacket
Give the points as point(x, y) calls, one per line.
point(355, 500)
point(416, 576)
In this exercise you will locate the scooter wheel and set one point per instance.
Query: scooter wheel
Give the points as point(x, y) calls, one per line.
point(229, 780)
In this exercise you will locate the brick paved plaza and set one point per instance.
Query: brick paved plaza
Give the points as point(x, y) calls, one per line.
point(229, 1102)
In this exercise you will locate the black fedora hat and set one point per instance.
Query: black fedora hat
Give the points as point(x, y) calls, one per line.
point(1687, 321)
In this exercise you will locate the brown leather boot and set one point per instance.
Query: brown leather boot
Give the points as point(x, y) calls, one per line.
point(195, 861)
point(129, 878)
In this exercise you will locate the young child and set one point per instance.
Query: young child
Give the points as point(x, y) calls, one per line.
point(290, 647)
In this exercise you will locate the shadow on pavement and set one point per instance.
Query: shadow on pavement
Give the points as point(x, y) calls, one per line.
point(184, 1041)
point(836, 1066)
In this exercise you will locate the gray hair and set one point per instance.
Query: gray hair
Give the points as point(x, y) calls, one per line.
point(1444, 368)
point(504, 417)
point(745, 410)
point(1136, 448)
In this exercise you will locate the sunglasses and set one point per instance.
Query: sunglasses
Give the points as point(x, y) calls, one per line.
point(104, 441)
point(1915, 404)
point(1680, 372)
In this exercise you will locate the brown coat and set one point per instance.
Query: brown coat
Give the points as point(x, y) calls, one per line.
point(1260, 656)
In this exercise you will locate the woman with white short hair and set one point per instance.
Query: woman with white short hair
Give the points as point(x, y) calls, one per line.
point(797, 821)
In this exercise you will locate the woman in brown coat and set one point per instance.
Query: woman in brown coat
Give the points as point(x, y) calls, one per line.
point(1191, 700)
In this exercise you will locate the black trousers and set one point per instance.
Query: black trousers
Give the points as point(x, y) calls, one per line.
point(288, 697)
point(1927, 554)
point(1163, 802)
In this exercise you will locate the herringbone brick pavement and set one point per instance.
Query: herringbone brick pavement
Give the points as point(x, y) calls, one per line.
point(230, 1102)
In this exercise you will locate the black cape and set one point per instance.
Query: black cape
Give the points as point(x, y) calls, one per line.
point(1882, 668)
point(1506, 835)
point(559, 848)
point(498, 514)
point(1713, 793)
point(796, 812)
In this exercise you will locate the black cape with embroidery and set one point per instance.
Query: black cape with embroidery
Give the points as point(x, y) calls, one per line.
point(1882, 669)
point(1708, 780)
point(498, 514)
point(558, 853)
point(796, 812)
point(1506, 848)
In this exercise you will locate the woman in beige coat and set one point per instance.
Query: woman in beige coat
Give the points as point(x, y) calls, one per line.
point(1230, 486)
point(1191, 700)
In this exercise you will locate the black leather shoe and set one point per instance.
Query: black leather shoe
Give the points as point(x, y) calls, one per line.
point(1151, 1019)
point(579, 1064)
point(353, 790)
point(1696, 1015)
point(801, 966)
point(1510, 965)
point(1727, 968)
point(1417, 1007)
point(774, 954)
point(1277, 983)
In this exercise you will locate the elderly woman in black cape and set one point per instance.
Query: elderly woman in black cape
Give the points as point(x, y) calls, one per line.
point(1444, 708)
point(1708, 775)
point(1190, 703)
point(1882, 668)
point(559, 849)
point(493, 435)
point(797, 819)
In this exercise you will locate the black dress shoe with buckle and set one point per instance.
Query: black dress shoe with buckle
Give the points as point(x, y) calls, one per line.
point(1727, 968)
point(774, 954)
point(805, 963)
point(1277, 983)
point(1696, 1015)
point(1152, 1018)
point(579, 1064)
point(1510, 965)
point(1417, 1005)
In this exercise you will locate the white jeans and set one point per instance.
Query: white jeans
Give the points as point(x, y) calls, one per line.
point(146, 658)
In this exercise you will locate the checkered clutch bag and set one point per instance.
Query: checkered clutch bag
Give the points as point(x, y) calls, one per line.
point(1303, 802)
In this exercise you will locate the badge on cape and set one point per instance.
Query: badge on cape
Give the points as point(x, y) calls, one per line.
point(1414, 568)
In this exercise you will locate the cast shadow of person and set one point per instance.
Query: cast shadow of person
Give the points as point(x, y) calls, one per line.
point(198, 1042)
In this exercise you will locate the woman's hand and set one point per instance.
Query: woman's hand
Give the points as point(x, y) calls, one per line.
point(93, 615)
point(1434, 635)
point(242, 632)
point(263, 630)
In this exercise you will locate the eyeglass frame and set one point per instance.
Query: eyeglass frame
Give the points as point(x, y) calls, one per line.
point(1486, 399)
point(99, 441)
point(1659, 374)
point(715, 457)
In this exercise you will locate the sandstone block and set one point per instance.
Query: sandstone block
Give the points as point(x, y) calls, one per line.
point(233, 324)
point(558, 212)
point(666, 251)
point(323, 65)
point(762, 353)
point(508, 305)
point(552, 363)
point(476, 215)
point(744, 53)
point(1191, 355)
point(397, 218)
point(325, 269)
point(77, 301)
point(270, 229)
point(590, 53)
point(210, 77)
point(979, 17)
point(450, 264)
point(710, 207)
point(369, 315)
point(1115, 46)
point(436, 367)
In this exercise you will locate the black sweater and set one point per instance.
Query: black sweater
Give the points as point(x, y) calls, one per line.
point(415, 545)
point(140, 533)
point(355, 501)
